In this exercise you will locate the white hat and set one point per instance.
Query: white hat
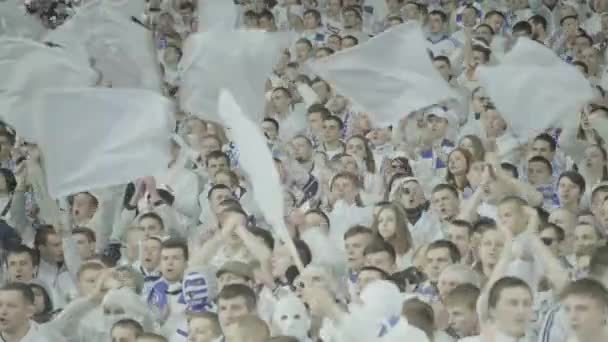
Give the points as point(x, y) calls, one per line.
point(442, 113)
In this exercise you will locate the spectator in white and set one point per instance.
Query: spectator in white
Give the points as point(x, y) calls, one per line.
point(544, 145)
point(84, 239)
point(356, 239)
point(332, 144)
point(441, 42)
point(53, 270)
point(445, 205)
point(313, 27)
point(460, 304)
point(570, 190)
point(438, 255)
point(352, 23)
point(540, 28)
point(234, 302)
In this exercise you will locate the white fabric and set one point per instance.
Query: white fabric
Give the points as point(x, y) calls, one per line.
point(533, 82)
point(116, 135)
point(390, 75)
point(15, 22)
point(217, 15)
point(256, 160)
point(122, 50)
point(239, 61)
point(26, 67)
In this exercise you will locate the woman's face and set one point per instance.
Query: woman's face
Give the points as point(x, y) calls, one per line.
point(38, 300)
point(356, 148)
point(568, 192)
point(457, 163)
point(387, 223)
point(490, 247)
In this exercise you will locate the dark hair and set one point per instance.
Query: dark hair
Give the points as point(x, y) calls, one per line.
point(266, 14)
point(24, 289)
point(23, 249)
point(440, 14)
point(548, 139)
point(217, 155)
point(510, 168)
point(575, 178)
point(239, 290)
point(559, 231)
point(384, 274)
point(444, 186)
point(562, 20)
point(303, 251)
point(9, 178)
point(319, 108)
point(583, 65)
point(486, 26)
point(274, 122)
point(420, 315)
point(522, 26)
point(265, 235)
point(485, 51)
point(217, 187)
point(42, 235)
point(154, 216)
point(503, 284)
point(450, 178)
point(176, 244)
point(335, 119)
point(585, 36)
point(304, 41)
point(47, 311)
point(129, 324)
point(313, 12)
point(542, 160)
point(493, 13)
point(538, 19)
point(449, 245)
point(588, 288)
point(442, 58)
point(379, 246)
point(356, 230)
point(88, 232)
point(463, 223)
point(353, 38)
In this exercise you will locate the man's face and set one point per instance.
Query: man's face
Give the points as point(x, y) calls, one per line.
point(513, 310)
point(443, 68)
point(123, 334)
point(20, 267)
point(216, 164)
point(542, 148)
point(86, 248)
point(435, 24)
point(570, 27)
point(445, 204)
point(460, 237)
point(350, 19)
point(320, 88)
point(270, 130)
point(462, 320)
point(469, 17)
point(202, 329)
point(381, 260)
point(14, 311)
point(587, 316)
point(569, 193)
point(151, 226)
point(87, 282)
point(83, 207)
point(437, 126)
point(495, 22)
point(217, 197)
point(315, 123)
point(354, 246)
point(597, 201)
point(310, 21)
point(584, 238)
point(230, 310)
point(411, 11)
point(437, 260)
point(538, 173)
point(302, 150)
point(151, 254)
point(331, 131)
point(53, 250)
point(172, 263)
point(511, 216)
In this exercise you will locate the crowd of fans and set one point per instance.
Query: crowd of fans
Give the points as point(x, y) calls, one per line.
point(441, 228)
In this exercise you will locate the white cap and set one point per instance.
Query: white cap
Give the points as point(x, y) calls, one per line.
point(442, 113)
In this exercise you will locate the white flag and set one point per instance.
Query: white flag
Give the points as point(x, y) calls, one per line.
point(256, 160)
point(97, 137)
point(16, 22)
point(122, 50)
point(239, 61)
point(389, 75)
point(534, 89)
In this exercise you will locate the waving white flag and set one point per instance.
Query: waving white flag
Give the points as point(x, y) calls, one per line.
point(97, 137)
point(239, 61)
point(256, 160)
point(122, 50)
point(16, 22)
point(389, 76)
point(534, 89)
